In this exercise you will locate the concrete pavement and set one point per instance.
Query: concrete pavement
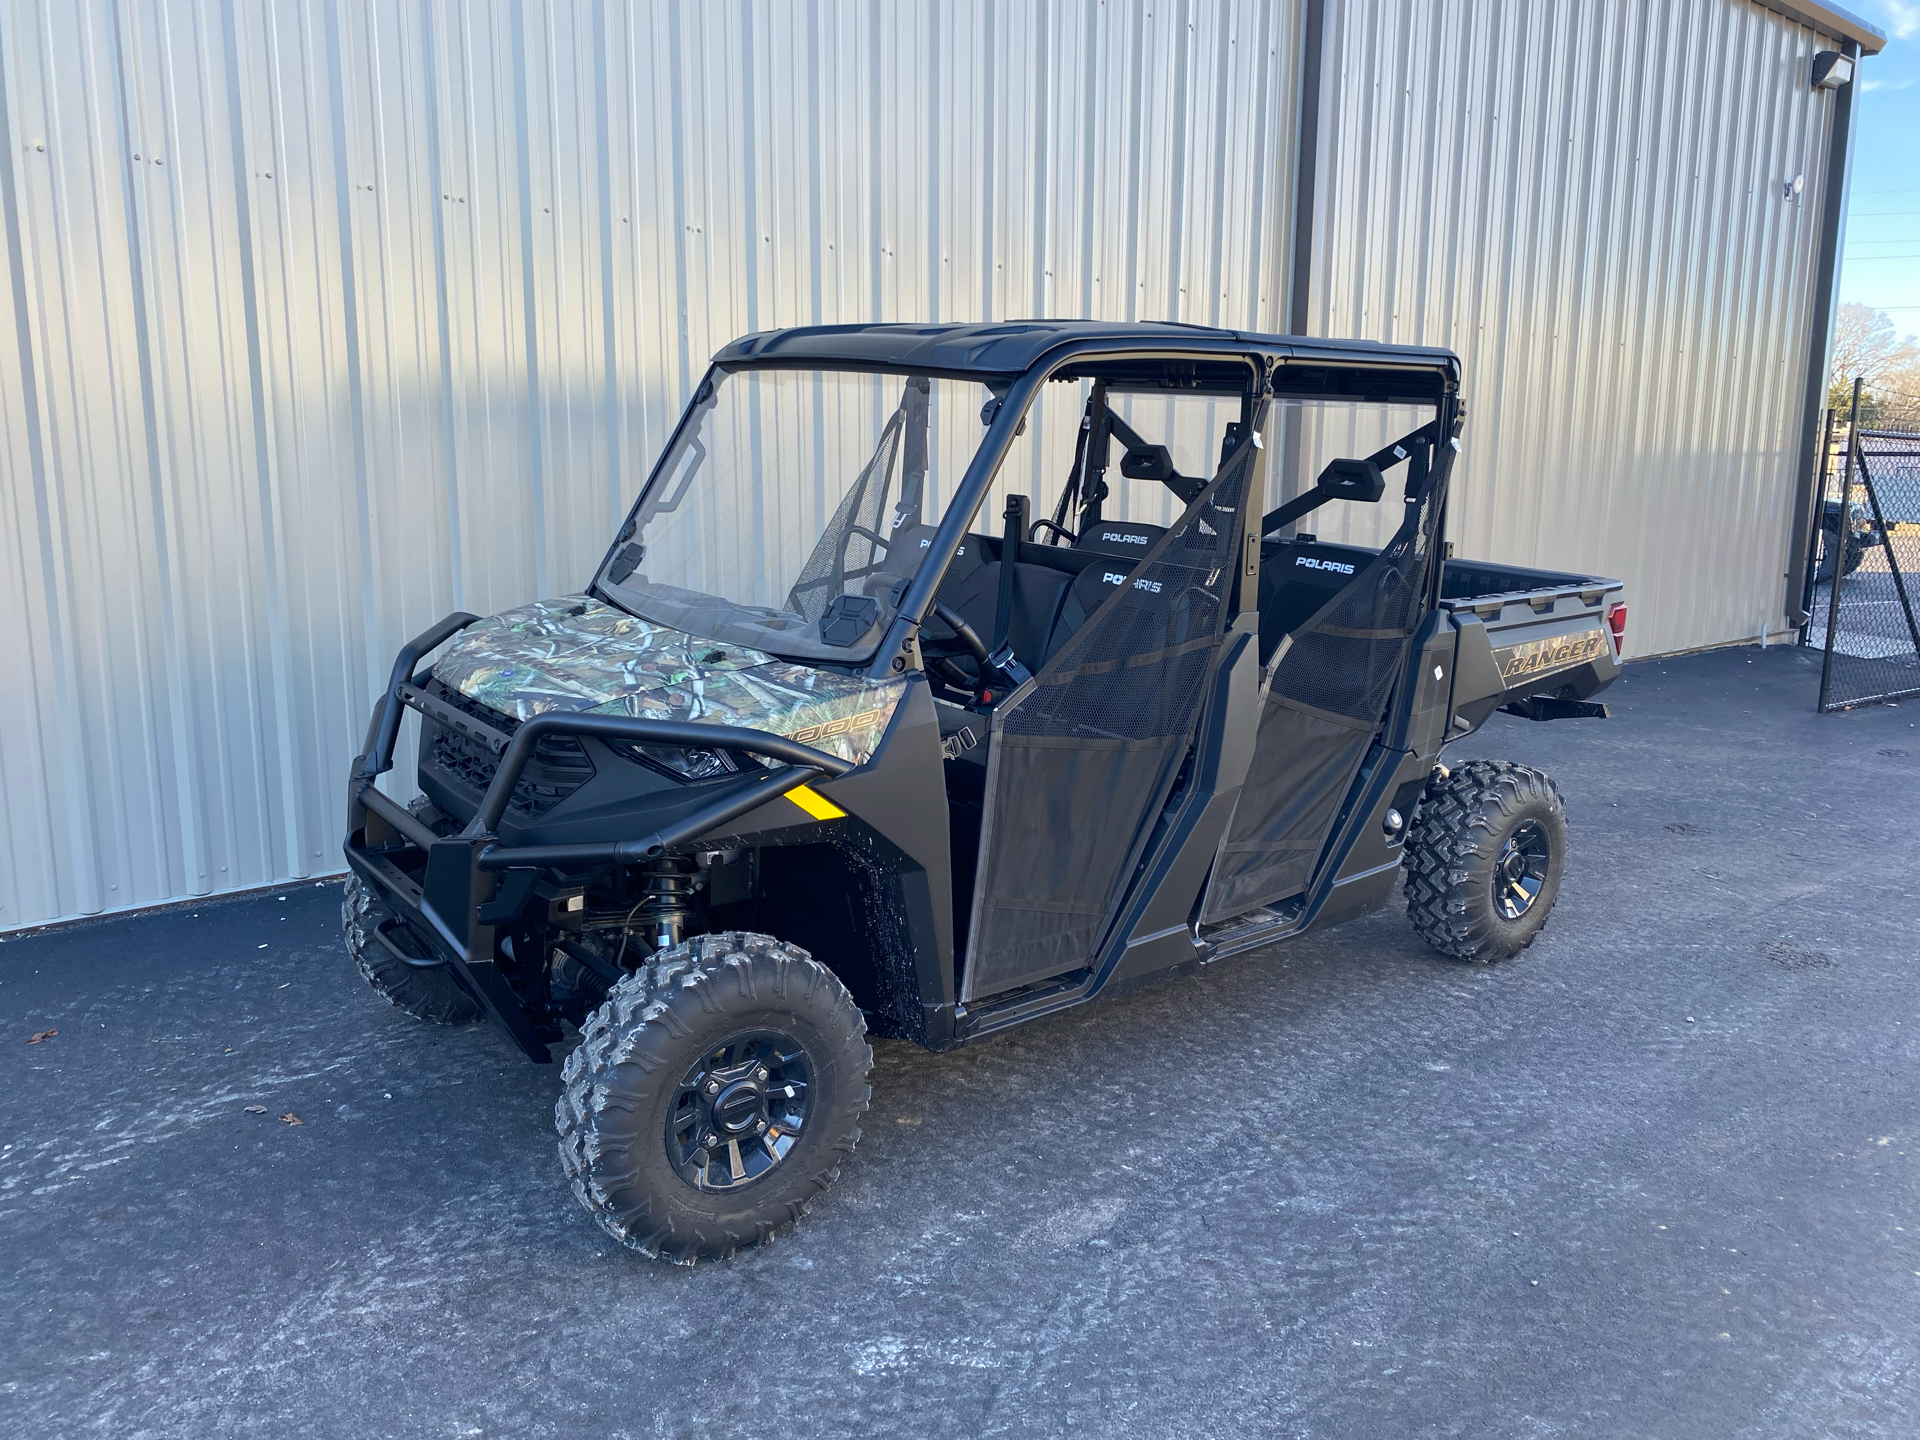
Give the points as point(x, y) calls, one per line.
point(1656, 1177)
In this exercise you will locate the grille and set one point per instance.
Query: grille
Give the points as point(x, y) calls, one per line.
point(558, 768)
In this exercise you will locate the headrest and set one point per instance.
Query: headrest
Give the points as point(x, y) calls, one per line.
point(1091, 589)
point(1119, 537)
point(1093, 584)
point(1314, 562)
point(909, 547)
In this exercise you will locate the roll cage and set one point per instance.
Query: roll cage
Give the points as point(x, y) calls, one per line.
point(1116, 357)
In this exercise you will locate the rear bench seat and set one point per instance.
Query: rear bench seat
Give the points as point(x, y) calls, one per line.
point(1297, 577)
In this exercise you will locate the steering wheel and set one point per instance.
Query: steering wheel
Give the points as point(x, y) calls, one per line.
point(941, 651)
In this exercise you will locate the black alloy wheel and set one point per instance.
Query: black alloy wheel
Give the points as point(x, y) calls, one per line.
point(739, 1110)
point(1521, 869)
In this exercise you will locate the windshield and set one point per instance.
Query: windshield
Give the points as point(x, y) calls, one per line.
point(795, 505)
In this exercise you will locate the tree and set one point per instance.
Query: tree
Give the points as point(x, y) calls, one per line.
point(1896, 394)
point(1840, 401)
point(1866, 344)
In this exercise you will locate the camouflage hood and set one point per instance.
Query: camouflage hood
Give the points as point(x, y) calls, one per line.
point(576, 653)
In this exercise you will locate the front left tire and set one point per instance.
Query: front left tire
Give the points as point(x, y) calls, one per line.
point(713, 1096)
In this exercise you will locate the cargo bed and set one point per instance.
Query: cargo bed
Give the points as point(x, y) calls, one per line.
point(1536, 643)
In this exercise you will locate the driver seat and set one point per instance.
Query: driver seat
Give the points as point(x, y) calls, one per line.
point(1083, 597)
point(972, 587)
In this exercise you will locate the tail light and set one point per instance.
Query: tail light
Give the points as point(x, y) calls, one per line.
point(1617, 623)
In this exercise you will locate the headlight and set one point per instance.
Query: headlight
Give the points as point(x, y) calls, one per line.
point(1857, 516)
point(686, 764)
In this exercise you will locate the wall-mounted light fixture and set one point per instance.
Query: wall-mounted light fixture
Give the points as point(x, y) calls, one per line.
point(1831, 70)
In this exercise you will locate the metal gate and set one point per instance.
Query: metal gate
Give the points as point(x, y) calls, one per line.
point(1863, 572)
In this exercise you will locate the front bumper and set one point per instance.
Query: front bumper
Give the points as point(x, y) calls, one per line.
point(448, 895)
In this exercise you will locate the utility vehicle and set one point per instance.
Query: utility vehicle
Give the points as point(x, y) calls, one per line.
point(844, 738)
point(1862, 535)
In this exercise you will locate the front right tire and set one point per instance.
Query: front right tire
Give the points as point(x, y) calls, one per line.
point(713, 1096)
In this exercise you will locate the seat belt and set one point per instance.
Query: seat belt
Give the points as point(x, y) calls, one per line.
point(1013, 535)
point(1093, 479)
point(1070, 496)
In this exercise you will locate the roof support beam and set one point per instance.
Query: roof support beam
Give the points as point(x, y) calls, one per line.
point(1306, 164)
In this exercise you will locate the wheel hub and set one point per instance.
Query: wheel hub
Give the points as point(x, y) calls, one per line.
point(1521, 869)
point(739, 1110)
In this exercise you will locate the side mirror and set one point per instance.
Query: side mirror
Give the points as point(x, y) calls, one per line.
point(1352, 480)
point(1147, 462)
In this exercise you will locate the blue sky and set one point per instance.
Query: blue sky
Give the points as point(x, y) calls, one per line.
point(1881, 264)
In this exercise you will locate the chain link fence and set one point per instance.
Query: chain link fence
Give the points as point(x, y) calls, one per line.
point(1863, 570)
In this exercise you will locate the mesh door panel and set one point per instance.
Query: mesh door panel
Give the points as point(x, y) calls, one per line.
point(1081, 763)
point(1303, 762)
point(1326, 697)
point(1347, 657)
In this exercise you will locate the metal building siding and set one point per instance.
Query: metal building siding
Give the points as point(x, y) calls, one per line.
point(322, 318)
point(1583, 197)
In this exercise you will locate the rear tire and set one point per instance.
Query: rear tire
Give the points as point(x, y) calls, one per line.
point(1484, 860)
point(424, 994)
point(737, 1039)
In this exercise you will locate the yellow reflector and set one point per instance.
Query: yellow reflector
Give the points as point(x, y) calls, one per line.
point(814, 803)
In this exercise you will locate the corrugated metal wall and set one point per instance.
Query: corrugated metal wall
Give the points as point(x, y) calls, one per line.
point(1585, 199)
point(322, 319)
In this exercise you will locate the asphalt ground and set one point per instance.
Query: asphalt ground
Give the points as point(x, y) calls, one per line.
point(1656, 1177)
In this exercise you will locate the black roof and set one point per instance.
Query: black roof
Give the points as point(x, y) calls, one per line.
point(1012, 346)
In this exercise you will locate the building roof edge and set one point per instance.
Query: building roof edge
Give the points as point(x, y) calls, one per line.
point(1831, 20)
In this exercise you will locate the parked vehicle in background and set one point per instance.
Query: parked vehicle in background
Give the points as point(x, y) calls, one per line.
point(762, 789)
point(1862, 535)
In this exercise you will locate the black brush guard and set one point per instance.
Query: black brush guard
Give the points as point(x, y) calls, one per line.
point(449, 912)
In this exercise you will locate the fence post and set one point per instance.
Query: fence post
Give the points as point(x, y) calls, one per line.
point(1813, 528)
point(1840, 555)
